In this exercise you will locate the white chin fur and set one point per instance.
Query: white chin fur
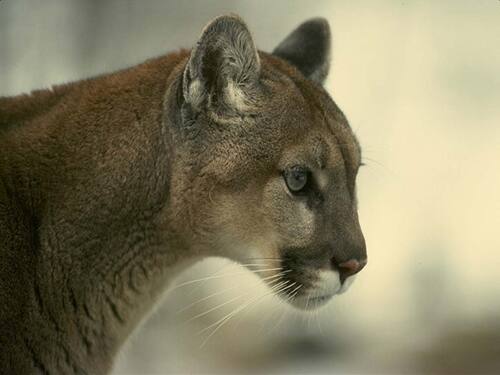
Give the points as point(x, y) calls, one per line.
point(328, 283)
point(347, 283)
point(324, 289)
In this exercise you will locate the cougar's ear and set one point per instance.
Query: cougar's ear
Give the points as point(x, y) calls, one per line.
point(308, 49)
point(222, 73)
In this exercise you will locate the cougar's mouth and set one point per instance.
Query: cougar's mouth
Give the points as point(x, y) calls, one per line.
point(319, 292)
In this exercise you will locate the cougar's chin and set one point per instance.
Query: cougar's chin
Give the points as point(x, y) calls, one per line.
point(310, 302)
point(319, 293)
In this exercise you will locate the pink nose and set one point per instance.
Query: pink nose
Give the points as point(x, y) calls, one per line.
point(351, 267)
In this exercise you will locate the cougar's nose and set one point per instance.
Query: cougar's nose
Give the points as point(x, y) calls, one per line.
point(349, 253)
point(351, 267)
point(348, 268)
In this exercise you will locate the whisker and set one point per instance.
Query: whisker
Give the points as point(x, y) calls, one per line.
point(278, 322)
point(219, 270)
point(277, 259)
point(267, 294)
point(213, 308)
point(218, 324)
point(369, 161)
point(272, 277)
point(261, 261)
point(221, 276)
point(253, 264)
point(318, 321)
point(277, 289)
point(277, 276)
point(205, 298)
point(305, 319)
point(291, 295)
point(288, 293)
point(295, 294)
point(311, 315)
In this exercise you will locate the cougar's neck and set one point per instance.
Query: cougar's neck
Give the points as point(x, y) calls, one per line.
point(93, 178)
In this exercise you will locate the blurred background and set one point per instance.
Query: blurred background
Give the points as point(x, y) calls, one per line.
point(420, 84)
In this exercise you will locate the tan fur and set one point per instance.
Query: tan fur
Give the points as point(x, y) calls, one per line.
point(111, 186)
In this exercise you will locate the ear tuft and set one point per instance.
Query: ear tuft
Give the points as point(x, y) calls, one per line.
point(308, 49)
point(224, 67)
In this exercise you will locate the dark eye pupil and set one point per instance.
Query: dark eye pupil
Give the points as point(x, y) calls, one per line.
point(296, 179)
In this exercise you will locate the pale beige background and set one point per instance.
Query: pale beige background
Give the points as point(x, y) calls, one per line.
point(420, 84)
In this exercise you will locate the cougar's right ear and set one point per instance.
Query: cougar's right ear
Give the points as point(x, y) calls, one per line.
point(308, 49)
point(223, 71)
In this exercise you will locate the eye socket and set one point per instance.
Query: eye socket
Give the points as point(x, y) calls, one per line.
point(296, 179)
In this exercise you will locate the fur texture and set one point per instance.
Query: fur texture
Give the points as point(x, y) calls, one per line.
point(308, 48)
point(111, 186)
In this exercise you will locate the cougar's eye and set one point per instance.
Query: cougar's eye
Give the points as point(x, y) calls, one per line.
point(296, 179)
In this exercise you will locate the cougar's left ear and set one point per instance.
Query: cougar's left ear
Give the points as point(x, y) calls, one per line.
point(223, 70)
point(308, 49)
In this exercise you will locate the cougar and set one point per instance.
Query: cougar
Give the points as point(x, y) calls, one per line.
point(111, 186)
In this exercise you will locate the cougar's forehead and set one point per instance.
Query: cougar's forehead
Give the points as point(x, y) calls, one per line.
point(316, 150)
point(307, 118)
point(319, 138)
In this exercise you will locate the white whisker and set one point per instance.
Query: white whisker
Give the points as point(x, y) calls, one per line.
point(219, 270)
point(219, 306)
point(269, 285)
point(204, 299)
point(213, 308)
point(225, 291)
point(318, 320)
point(221, 276)
point(292, 294)
point(276, 289)
point(263, 259)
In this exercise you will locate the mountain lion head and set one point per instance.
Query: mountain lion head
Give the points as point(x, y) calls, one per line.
point(267, 173)
point(110, 186)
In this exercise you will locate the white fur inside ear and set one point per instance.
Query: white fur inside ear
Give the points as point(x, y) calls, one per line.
point(196, 94)
point(235, 97)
